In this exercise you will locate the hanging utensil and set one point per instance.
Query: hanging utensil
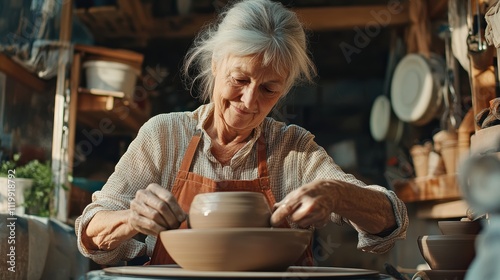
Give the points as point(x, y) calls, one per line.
point(451, 118)
point(480, 53)
point(457, 19)
point(476, 41)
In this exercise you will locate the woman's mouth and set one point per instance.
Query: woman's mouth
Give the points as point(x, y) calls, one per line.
point(241, 111)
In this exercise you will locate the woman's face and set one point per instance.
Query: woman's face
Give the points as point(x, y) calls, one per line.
point(245, 91)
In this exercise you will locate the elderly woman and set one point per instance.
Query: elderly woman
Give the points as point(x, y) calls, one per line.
point(243, 66)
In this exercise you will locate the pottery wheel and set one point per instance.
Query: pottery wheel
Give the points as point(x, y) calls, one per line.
point(293, 272)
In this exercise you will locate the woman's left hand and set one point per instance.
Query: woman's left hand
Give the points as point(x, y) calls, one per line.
point(309, 205)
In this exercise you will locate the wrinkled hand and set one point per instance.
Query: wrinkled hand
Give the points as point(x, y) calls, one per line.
point(309, 205)
point(155, 209)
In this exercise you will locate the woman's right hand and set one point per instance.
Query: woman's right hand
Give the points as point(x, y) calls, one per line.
point(155, 209)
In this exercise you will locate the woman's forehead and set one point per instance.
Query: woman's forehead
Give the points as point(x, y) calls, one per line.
point(253, 64)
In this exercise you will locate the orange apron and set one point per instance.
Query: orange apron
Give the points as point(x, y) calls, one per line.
point(188, 184)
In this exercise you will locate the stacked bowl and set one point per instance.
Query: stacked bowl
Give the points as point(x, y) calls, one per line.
point(230, 231)
point(454, 250)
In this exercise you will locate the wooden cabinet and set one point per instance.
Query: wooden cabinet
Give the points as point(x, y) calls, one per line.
point(111, 113)
point(94, 105)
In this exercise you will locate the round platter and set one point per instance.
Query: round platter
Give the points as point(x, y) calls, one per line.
point(293, 272)
point(413, 93)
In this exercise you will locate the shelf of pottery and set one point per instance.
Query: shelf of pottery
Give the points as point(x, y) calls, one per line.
point(435, 163)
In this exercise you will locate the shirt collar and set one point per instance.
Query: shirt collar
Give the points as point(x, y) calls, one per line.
point(203, 113)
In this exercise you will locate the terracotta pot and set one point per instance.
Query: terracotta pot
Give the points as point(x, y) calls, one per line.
point(449, 152)
point(420, 158)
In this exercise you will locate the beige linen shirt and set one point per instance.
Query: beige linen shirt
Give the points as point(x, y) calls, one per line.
point(155, 155)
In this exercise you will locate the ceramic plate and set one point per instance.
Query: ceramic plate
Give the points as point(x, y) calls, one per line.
point(380, 118)
point(412, 89)
point(293, 272)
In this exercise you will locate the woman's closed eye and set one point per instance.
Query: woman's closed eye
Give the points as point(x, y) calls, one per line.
point(269, 90)
point(239, 81)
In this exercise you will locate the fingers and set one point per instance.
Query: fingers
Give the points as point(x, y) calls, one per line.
point(282, 210)
point(305, 206)
point(155, 209)
point(144, 225)
point(165, 206)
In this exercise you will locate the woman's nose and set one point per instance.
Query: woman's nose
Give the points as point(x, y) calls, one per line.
point(249, 97)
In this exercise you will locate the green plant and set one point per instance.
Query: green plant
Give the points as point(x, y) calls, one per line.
point(37, 199)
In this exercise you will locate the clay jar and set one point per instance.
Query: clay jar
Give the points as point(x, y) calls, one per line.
point(229, 210)
point(448, 252)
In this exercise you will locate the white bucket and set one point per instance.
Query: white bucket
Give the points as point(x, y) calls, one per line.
point(112, 76)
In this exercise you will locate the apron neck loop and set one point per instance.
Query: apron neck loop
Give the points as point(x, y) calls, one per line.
point(191, 150)
point(262, 156)
point(193, 144)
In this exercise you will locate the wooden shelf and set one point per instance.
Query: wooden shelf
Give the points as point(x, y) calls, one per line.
point(97, 110)
point(439, 209)
point(19, 73)
point(443, 187)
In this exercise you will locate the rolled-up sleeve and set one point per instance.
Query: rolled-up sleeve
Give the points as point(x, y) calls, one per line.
point(378, 244)
point(137, 168)
point(306, 155)
point(125, 251)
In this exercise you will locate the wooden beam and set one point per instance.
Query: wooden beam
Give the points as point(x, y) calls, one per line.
point(314, 18)
point(129, 9)
point(59, 136)
point(179, 26)
point(337, 18)
point(144, 27)
point(20, 74)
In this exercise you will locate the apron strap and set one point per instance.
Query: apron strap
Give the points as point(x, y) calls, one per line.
point(262, 157)
point(190, 151)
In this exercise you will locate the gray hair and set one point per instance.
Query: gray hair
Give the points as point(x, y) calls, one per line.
point(251, 27)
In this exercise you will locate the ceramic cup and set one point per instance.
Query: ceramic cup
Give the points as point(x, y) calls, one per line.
point(229, 210)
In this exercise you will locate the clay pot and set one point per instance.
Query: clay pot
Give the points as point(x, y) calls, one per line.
point(236, 249)
point(441, 137)
point(449, 152)
point(447, 252)
point(420, 158)
point(436, 164)
point(229, 210)
point(459, 227)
